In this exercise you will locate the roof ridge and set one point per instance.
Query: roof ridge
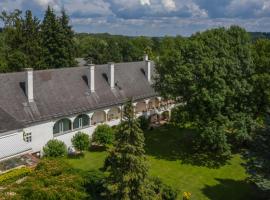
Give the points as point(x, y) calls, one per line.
point(68, 68)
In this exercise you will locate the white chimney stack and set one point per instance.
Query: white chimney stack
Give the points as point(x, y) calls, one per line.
point(147, 68)
point(91, 77)
point(29, 87)
point(145, 57)
point(111, 75)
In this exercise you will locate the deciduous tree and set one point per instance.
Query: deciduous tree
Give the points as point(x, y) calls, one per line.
point(211, 72)
point(259, 158)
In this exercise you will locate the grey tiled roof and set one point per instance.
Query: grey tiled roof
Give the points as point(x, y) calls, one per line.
point(7, 122)
point(61, 92)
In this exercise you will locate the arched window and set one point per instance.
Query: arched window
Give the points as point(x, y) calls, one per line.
point(81, 121)
point(61, 126)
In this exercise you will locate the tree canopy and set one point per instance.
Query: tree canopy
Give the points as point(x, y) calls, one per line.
point(27, 42)
point(211, 72)
point(259, 158)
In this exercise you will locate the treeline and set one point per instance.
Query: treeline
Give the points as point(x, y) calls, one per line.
point(260, 35)
point(103, 48)
point(28, 42)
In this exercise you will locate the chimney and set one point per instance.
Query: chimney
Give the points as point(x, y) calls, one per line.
point(147, 68)
point(29, 87)
point(91, 77)
point(145, 57)
point(111, 75)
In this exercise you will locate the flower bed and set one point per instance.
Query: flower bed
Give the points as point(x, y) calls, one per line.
point(14, 175)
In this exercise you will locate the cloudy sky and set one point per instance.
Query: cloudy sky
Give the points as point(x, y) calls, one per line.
point(153, 17)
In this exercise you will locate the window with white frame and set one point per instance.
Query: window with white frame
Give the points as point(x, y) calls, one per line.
point(27, 137)
point(81, 121)
point(62, 126)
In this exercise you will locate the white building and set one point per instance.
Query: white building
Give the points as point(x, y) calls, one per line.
point(36, 106)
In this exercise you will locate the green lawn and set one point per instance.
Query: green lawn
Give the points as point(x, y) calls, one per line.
point(166, 150)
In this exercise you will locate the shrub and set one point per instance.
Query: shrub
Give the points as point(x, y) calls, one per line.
point(94, 181)
point(14, 175)
point(103, 135)
point(52, 179)
point(144, 122)
point(80, 141)
point(55, 148)
point(162, 190)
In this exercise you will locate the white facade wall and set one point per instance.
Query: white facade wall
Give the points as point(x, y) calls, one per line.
point(14, 144)
point(41, 134)
point(66, 137)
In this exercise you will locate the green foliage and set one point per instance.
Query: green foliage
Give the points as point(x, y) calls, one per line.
point(103, 135)
point(211, 72)
point(94, 181)
point(103, 48)
point(81, 141)
point(163, 191)
point(242, 130)
point(14, 175)
point(126, 163)
point(259, 158)
point(29, 43)
point(213, 138)
point(22, 41)
point(55, 148)
point(57, 40)
point(52, 179)
point(144, 122)
point(261, 77)
point(3, 62)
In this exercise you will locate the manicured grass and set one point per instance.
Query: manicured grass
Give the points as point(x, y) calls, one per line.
point(90, 161)
point(169, 159)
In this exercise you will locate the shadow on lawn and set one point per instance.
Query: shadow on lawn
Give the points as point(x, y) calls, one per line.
point(231, 189)
point(173, 143)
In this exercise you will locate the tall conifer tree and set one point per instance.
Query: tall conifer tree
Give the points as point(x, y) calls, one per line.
point(51, 38)
point(126, 163)
point(22, 37)
point(57, 40)
point(68, 40)
point(31, 45)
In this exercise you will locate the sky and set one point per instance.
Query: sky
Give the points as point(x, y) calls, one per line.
point(153, 17)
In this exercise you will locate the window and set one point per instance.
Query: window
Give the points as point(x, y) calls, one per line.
point(81, 121)
point(61, 126)
point(27, 137)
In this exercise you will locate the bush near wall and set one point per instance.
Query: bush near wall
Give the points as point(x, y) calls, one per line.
point(103, 135)
point(55, 148)
point(14, 175)
point(81, 141)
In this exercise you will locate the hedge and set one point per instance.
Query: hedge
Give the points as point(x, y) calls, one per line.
point(14, 175)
